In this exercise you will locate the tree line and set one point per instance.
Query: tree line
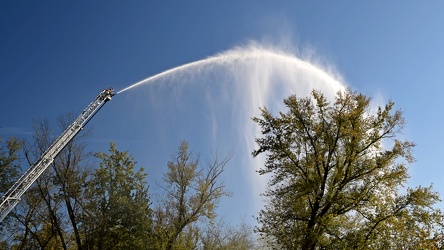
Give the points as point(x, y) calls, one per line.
point(338, 173)
point(102, 200)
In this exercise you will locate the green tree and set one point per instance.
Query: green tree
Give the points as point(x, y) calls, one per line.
point(337, 177)
point(192, 193)
point(9, 170)
point(37, 222)
point(117, 212)
point(9, 162)
point(49, 213)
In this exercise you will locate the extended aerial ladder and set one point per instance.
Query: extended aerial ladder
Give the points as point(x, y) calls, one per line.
point(12, 197)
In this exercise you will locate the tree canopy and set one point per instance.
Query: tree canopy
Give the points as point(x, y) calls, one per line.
point(118, 214)
point(337, 177)
point(107, 205)
point(9, 162)
point(192, 193)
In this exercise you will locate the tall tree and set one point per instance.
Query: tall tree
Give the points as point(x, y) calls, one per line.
point(192, 193)
point(337, 175)
point(117, 213)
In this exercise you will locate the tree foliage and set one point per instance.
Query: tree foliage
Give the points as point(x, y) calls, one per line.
point(9, 162)
point(48, 215)
point(75, 206)
point(70, 173)
point(219, 235)
point(337, 177)
point(10, 166)
point(118, 214)
point(192, 193)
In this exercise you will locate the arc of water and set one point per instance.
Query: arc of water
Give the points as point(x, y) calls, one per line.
point(233, 55)
point(258, 87)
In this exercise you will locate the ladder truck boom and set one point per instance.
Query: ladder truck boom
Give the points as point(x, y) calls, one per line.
point(12, 197)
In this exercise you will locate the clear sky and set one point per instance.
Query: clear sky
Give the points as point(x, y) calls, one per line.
point(56, 56)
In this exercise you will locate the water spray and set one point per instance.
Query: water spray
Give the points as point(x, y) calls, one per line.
point(255, 77)
point(229, 58)
point(237, 55)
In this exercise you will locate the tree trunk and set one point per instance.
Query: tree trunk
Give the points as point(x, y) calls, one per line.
point(72, 218)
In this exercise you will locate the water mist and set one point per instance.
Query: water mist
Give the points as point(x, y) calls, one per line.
point(230, 87)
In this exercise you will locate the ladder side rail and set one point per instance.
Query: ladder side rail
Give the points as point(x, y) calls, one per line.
point(62, 141)
point(56, 146)
point(31, 175)
point(53, 147)
point(7, 206)
point(75, 126)
point(13, 198)
point(97, 105)
point(13, 195)
point(39, 167)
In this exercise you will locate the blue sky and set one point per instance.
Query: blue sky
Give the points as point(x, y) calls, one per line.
point(56, 56)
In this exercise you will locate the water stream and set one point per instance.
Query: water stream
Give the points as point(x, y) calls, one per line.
point(232, 86)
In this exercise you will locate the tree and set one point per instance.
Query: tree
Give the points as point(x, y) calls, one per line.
point(37, 219)
point(9, 169)
point(70, 173)
point(117, 213)
point(9, 162)
point(192, 193)
point(219, 235)
point(49, 214)
point(337, 176)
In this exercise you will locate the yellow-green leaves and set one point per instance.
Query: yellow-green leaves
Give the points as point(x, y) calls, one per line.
point(337, 170)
